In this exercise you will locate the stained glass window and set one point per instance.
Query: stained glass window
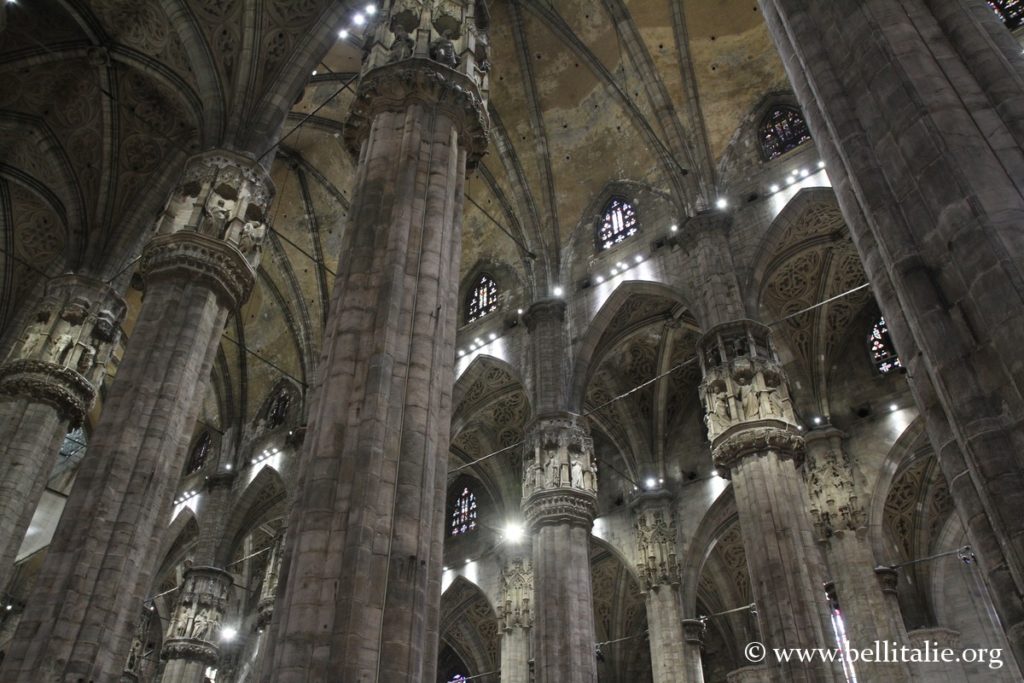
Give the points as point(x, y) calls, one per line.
point(839, 630)
point(782, 130)
point(74, 443)
point(464, 513)
point(483, 298)
point(617, 224)
point(1010, 11)
point(883, 354)
point(199, 453)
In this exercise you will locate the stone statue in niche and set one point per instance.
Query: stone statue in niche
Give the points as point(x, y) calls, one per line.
point(483, 55)
point(250, 242)
point(402, 46)
point(86, 359)
point(577, 474)
point(747, 397)
point(553, 472)
point(442, 50)
point(105, 326)
point(719, 417)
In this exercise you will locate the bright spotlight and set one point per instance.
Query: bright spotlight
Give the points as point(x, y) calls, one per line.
point(773, 189)
point(893, 407)
point(722, 203)
point(650, 483)
point(228, 634)
point(557, 291)
point(513, 532)
point(359, 19)
point(371, 9)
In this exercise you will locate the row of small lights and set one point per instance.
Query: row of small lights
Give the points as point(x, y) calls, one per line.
point(794, 176)
point(620, 267)
point(480, 343)
point(358, 19)
point(188, 495)
point(267, 453)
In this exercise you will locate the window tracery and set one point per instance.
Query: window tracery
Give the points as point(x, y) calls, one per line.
point(883, 353)
point(783, 129)
point(200, 452)
point(1011, 12)
point(464, 513)
point(617, 224)
point(483, 298)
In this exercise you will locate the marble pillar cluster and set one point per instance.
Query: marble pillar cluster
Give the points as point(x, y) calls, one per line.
point(47, 385)
point(916, 108)
point(840, 526)
point(515, 619)
point(755, 441)
point(674, 659)
point(198, 269)
point(367, 528)
point(559, 503)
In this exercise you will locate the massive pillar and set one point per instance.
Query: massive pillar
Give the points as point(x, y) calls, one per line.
point(917, 108)
point(559, 503)
point(193, 638)
point(515, 618)
point(362, 577)
point(755, 441)
point(840, 525)
point(47, 385)
point(79, 619)
point(654, 522)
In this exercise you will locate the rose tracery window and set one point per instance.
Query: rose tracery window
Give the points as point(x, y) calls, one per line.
point(1010, 11)
point(464, 513)
point(617, 224)
point(483, 298)
point(883, 354)
point(200, 452)
point(782, 130)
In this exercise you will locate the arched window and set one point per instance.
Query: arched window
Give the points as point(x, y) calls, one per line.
point(277, 412)
point(883, 354)
point(782, 130)
point(1010, 11)
point(74, 443)
point(199, 453)
point(464, 513)
point(617, 224)
point(483, 298)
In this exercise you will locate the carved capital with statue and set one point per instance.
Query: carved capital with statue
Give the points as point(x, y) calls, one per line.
point(836, 505)
point(194, 630)
point(559, 472)
point(193, 257)
point(515, 607)
point(745, 392)
point(63, 353)
point(654, 523)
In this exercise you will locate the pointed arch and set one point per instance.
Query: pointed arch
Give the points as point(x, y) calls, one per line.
point(178, 538)
point(719, 516)
point(469, 625)
point(609, 313)
point(264, 498)
point(912, 444)
point(485, 380)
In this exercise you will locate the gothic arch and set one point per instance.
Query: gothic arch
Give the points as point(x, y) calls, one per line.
point(720, 514)
point(486, 379)
point(263, 499)
point(911, 444)
point(469, 625)
point(178, 540)
point(609, 318)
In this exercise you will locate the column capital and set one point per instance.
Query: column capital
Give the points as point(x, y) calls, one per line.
point(420, 81)
point(559, 473)
point(515, 609)
point(693, 631)
point(654, 523)
point(189, 257)
point(888, 579)
point(194, 631)
point(545, 310)
point(63, 353)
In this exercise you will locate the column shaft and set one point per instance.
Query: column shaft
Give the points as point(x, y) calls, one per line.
point(515, 655)
point(360, 591)
point(915, 106)
point(515, 619)
point(79, 620)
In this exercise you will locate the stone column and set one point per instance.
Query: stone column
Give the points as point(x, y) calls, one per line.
point(755, 441)
point(658, 566)
point(559, 502)
point(200, 267)
point(192, 641)
point(916, 109)
point(938, 638)
point(840, 525)
point(268, 590)
point(693, 645)
point(367, 527)
point(47, 386)
point(515, 619)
